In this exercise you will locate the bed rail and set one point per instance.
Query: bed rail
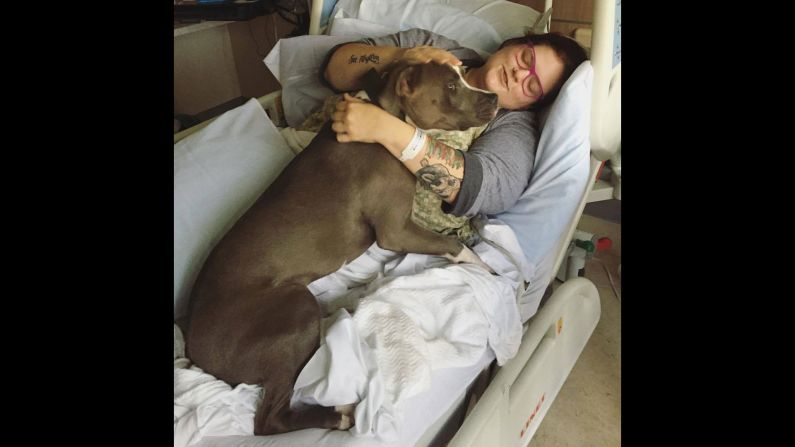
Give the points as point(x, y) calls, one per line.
point(605, 132)
point(315, 16)
point(606, 99)
point(271, 102)
point(517, 399)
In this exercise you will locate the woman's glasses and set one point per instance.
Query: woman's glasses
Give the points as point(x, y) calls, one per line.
point(526, 60)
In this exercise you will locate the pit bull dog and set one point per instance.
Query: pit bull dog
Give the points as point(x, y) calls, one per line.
point(251, 318)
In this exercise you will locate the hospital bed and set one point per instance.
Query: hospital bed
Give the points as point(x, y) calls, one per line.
point(520, 392)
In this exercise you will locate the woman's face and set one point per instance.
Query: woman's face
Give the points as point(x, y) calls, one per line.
point(520, 74)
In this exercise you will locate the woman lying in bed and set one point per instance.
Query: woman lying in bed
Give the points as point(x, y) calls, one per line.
point(526, 73)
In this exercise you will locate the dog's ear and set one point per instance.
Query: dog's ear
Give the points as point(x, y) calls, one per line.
point(405, 84)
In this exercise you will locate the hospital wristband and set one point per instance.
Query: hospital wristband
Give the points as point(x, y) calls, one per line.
point(414, 147)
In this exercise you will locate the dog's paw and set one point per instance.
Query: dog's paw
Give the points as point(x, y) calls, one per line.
point(346, 416)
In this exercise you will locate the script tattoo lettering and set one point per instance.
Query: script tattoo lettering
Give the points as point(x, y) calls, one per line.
point(365, 59)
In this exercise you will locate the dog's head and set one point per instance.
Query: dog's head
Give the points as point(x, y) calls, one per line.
point(436, 96)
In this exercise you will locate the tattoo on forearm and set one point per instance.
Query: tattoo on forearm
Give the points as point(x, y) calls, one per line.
point(364, 59)
point(438, 179)
point(452, 157)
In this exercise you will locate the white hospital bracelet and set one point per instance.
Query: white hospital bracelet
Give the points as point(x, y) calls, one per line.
point(414, 147)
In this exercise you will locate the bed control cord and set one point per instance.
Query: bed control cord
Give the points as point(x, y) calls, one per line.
point(610, 278)
point(612, 284)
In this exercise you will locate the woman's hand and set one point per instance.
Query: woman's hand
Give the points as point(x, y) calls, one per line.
point(423, 54)
point(357, 120)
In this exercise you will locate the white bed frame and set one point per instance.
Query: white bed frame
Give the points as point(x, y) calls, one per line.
point(519, 395)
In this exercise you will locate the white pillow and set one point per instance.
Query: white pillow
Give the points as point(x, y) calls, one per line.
point(559, 178)
point(477, 24)
point(511, 19)
point(470, 31)
point(218, 174)
point(295, 62)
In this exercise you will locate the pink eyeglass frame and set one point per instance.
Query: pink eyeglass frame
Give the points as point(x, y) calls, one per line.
point(531, 72)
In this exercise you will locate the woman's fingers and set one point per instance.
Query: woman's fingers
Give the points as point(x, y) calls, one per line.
point(339, 121)
point(424, 54)
point(338, 127)
point(342, 132)
point(446, 57)
point(348, 98)
point(341, 105)
point(354, 120)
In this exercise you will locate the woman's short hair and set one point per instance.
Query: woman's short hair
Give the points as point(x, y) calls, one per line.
point(571, 53)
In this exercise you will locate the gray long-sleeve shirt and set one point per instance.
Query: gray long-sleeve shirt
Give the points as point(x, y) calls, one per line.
point(498, 165)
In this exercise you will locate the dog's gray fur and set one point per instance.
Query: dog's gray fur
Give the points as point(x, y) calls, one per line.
point(252, 319)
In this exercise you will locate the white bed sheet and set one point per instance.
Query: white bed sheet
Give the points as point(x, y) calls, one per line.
point(427, 402)
point(422, 411)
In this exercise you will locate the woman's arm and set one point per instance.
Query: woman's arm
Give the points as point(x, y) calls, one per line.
point(439, 166)
point(498, 164)
point(351, 61)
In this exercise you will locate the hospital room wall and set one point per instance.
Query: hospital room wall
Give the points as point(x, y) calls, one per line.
point(567, 15)
point(216, 63)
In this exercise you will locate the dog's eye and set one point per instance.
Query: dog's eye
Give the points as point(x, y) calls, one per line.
point(451, 85)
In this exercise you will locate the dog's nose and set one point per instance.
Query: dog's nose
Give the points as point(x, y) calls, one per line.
point(487, 106)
